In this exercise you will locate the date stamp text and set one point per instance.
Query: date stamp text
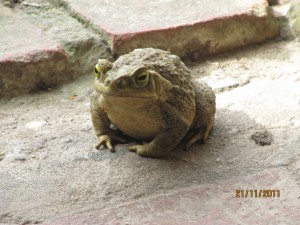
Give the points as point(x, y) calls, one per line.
point(257, 193)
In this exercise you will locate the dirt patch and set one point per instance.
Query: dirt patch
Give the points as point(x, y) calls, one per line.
point(262, 137)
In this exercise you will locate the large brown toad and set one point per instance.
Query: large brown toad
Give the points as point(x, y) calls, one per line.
point(150, 96)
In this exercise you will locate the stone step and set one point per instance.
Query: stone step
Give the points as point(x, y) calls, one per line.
point(44, 46)
point(82, 45)
point(190, 29)
point(28, 58)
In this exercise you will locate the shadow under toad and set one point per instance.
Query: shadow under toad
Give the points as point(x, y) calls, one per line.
point(228, 152)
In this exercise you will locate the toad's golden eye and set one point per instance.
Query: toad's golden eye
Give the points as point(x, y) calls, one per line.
point(140, 76)
point(97, 71)
point(142, 79)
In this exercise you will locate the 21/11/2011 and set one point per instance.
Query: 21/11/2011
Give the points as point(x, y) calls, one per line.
point(254, 193)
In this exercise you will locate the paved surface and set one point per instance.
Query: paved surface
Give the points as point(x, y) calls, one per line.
point(212, 203)
point(187, 28)
point(50, 170)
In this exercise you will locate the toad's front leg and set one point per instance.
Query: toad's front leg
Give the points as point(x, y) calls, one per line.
point(175, 126)
point(106, 136)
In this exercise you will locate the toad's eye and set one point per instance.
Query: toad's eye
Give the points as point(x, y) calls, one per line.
point(141, 80)
point(97, 71)
point(140, 76)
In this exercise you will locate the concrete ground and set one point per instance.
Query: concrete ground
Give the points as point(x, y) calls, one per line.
point(50, 172)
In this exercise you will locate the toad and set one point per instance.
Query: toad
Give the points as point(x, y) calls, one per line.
point(149, 95)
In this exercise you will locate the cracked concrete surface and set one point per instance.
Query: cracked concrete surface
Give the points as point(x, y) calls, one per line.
point(50, 169)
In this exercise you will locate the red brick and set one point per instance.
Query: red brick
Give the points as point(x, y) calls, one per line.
point(188, 28)
point(28, 59)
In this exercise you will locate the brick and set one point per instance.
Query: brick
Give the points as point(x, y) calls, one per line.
point(28, 59)
point(187, 28)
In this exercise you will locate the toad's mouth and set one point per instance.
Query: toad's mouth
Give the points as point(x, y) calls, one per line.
point(123, 95)
point(108, 92)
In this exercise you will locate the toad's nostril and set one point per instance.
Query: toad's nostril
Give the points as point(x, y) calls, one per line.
point(121, 84)
point(107, 82)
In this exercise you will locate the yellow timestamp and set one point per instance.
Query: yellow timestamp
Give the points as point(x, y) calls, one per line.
point(257, 193)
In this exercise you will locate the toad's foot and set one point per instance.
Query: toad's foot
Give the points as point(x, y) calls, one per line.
point(146, 150)
point(107, 141)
